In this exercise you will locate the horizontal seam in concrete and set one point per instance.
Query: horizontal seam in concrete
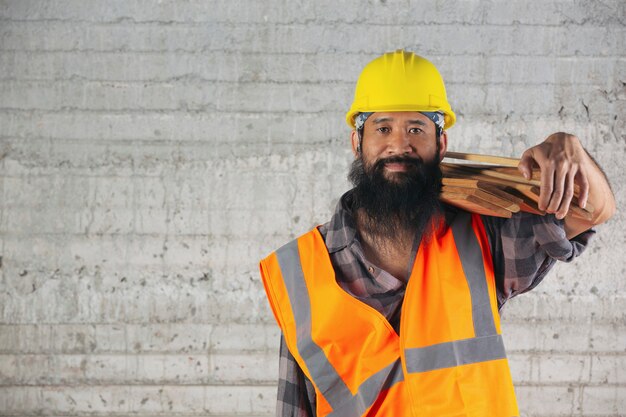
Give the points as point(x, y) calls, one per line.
point(204, 51)
point(191, 80)
point(335, 113)
point(342, 54)
point(179, 112)
point(317, 22)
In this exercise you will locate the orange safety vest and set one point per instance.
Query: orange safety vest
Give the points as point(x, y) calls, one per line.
point(449, 358)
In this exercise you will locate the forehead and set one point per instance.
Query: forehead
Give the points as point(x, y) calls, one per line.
point(401, 117)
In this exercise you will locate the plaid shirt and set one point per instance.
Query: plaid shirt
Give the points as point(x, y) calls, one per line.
point(524, 248)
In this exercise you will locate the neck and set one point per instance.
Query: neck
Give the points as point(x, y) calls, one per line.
point(375, 239)
point(391, 253)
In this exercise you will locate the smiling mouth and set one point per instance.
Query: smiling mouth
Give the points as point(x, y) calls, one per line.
point(397, 166)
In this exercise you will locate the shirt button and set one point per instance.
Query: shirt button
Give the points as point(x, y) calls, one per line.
point(371, 269)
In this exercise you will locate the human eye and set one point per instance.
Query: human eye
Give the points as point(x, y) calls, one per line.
point(415, 130)
point(383, 129)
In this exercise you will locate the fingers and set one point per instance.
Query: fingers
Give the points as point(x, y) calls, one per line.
point(547, 185)
point(551, 190)
point(583, 183)
point(568, 195)
point(562, 163)
point(558, 187)
point(525, 164)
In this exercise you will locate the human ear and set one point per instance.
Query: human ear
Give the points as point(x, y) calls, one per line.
point(443, 144)
point(356, 146)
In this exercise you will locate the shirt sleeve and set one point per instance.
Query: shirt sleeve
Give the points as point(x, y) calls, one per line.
point(296, 395)
point(526, 247)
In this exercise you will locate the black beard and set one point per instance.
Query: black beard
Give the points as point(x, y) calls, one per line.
point(408, 202)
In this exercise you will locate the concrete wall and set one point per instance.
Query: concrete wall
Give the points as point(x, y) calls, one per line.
point(152, 152)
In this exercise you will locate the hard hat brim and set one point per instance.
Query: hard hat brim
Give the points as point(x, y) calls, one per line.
point(449, 116)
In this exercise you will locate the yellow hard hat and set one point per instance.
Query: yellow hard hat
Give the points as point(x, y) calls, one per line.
point(400, 81)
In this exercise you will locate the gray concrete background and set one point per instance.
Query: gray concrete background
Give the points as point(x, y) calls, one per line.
point(152, 152)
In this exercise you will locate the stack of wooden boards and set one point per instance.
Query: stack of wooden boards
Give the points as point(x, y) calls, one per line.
point(493, 185)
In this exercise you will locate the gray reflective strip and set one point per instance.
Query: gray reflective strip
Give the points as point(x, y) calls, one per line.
point(323, 373)
point(458, 352)
point(369, 390)
point(487, 345)
point(472, 262)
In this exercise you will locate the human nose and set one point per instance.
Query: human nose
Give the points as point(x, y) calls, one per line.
point(398, 144)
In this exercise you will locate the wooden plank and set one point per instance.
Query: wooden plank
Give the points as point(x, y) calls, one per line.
point(501, 182)
point(483, 195)
point(505, 173)
point(513, 172)
point(574, 210)
point(536, 174)
point(459, 182)
point(485, 173)
point(527, 205)
point(499, 192)
point(474, 204)
point(454, 172)
point(531, 205)
point(481, 185)
point(500, 160)
point(527, 188)
point(589, 208)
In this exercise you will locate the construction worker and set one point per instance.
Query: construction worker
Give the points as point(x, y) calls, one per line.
point(392, 307)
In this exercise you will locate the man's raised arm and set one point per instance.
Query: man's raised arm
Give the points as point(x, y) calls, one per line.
point(564, 162)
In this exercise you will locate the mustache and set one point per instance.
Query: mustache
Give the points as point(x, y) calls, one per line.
point(410, 202)
point(415, 162)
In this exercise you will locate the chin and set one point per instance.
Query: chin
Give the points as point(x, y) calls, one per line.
point(397, 176)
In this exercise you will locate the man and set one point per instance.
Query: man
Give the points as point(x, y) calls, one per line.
point(391, 308)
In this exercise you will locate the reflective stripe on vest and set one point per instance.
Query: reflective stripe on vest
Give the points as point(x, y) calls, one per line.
point(324, 375)
point(487, 345)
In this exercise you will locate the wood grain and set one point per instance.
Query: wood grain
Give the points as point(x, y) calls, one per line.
point(474, 204)
point(495, 187)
